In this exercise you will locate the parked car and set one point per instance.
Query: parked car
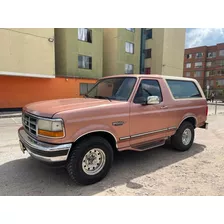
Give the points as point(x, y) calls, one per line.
point(123, 112)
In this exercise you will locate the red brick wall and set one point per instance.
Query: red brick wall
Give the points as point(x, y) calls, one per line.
point(204, 59)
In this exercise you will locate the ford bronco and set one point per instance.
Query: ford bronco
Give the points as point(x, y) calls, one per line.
point(122, 112)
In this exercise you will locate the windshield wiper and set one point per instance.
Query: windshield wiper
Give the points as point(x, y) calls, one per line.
point(103, 97)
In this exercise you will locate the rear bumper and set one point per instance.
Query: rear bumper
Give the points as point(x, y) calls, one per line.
point(204, 126)
point(43, 151)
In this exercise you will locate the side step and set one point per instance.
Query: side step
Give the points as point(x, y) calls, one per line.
point(150, 145)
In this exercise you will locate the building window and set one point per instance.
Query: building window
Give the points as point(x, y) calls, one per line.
point(188, 65)
point(208, 64)
point(129, 47)
point(85, 88)
point(220, 63)
point(199, 55)
point(188, 56)
point(212, 73)
point(148, 53)
point(208, 73)
point(221, 53)
point(211, 54)
point(210, 83)
point(85, 34)
point(197, 74)
point(187, 74)
point(129, 69)
point(131, 29)
point(198, 65)
point(220, 82)
point(84, 62)
point(220, 72)
point(148, 33)
point(214, 63)
point(147, 70)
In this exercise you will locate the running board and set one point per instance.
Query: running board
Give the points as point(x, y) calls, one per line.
point(150, 145)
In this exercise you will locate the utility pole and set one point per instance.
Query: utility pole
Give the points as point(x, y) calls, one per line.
point(208, 91)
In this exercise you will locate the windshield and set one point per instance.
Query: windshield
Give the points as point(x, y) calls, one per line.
point(113, 89)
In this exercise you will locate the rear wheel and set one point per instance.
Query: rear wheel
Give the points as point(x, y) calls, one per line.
point(90, 160)
point(184, 137)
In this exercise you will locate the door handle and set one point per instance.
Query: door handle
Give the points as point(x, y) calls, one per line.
point(164, 107)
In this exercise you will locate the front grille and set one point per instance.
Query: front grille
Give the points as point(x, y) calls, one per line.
point(30, 123)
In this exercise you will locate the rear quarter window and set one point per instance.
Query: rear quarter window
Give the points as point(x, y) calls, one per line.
point(183, 89)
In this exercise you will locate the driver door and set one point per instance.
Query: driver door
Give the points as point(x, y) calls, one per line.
point(147, 122)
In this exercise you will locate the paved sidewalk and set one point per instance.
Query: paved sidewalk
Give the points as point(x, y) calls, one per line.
point(10, 114)
point(160, 171)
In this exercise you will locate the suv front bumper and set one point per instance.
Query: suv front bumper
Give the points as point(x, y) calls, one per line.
point(43, 151)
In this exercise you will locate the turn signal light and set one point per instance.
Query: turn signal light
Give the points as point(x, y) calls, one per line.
point(51, 133)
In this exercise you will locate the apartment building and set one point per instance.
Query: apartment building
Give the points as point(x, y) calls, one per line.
point(145, 51)
point(206, 64)
point(162, 51)
point(27, 64)
point(26, 61)
point(79, 55)
point(42, 64)
point(27, 52)
point(121, 51)
point(79, 52)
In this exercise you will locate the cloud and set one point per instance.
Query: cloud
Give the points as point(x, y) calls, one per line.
point(202, 37)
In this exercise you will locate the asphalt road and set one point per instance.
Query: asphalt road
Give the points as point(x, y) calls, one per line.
point(159, 171)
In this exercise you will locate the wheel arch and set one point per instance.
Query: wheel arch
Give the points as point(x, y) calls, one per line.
point(192, 119)
point(102, 133)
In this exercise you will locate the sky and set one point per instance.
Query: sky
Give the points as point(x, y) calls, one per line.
point(204, 36)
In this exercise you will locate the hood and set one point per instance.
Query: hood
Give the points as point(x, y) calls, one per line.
point(50, 107)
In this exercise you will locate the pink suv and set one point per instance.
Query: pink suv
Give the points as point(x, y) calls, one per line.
point(123, 112)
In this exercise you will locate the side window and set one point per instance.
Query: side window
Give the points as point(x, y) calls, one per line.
point(146, 88)
point(183, 89)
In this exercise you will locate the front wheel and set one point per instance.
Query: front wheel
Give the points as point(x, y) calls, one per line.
point(184, 137)
point(90, 160)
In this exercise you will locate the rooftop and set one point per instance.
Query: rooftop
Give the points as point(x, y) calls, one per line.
point(156, 76)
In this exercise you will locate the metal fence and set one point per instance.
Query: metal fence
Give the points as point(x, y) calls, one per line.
point(216, 108)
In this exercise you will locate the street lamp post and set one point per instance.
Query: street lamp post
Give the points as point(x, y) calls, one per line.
point(208, 90)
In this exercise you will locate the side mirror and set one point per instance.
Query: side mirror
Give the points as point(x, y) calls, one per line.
point(152, 100)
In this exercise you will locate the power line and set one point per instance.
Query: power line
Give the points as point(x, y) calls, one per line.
point(24, 33)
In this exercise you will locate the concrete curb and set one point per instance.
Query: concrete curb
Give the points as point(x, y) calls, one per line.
point(10, 115)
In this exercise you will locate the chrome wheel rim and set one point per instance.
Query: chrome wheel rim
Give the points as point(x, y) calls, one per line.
point(93, 161)
point(186, 136)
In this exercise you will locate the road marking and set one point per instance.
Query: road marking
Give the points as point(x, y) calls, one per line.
point(14, 120)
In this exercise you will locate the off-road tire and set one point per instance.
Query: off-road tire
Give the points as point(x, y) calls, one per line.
point(176, 140)
point(74, 164)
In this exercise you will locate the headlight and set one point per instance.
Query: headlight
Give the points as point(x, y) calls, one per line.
point(50, 128)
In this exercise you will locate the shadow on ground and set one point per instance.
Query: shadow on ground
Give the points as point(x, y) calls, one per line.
point(29, 177)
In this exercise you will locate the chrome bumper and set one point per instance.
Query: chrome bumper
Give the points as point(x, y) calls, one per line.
point(43, 151)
